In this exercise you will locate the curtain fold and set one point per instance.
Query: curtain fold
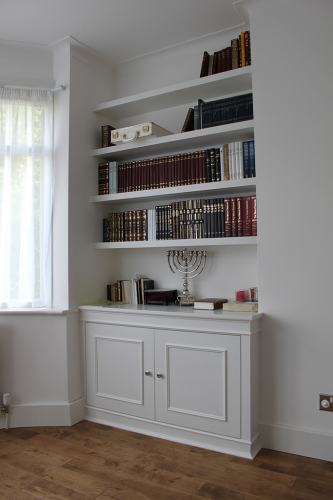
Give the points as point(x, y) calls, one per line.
point(26, 120)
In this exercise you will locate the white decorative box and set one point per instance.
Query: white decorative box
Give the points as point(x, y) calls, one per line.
point(128, 134)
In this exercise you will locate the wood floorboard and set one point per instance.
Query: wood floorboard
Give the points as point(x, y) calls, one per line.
point(91, 461)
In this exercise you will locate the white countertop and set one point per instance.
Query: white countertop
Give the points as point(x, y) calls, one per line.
point(172, 310)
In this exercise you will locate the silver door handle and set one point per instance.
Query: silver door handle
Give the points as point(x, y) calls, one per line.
point(148, 373)
point(159, 375)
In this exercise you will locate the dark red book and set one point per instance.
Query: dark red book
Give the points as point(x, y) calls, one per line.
point(247, 216)
point(227, 217)
point(233, 207)
point(254, 216)
point(239, 216)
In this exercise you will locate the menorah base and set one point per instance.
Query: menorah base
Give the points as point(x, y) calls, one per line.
point(185, 300)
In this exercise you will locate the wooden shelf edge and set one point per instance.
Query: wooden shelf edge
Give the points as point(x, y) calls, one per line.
point(245, 240)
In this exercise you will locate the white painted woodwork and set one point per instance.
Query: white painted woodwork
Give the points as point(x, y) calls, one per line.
point(200, 242)
point(241, 186)
point(117, 357)
point(173, 143)
point(203, 382)
point(209, 87)
point(200, 384)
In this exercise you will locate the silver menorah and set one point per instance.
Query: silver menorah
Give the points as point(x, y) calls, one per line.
point(189, 263)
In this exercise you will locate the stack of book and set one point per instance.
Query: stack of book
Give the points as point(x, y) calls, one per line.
point(213, 218)
point(227, 162)
point(126, 226)
point(237, 55)
point(129, 291)
point(237, 160)
point(188, 219)
point(223, 111)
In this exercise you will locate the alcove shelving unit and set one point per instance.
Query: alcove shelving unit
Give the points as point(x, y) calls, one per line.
point(215, 86)
point(141, 361)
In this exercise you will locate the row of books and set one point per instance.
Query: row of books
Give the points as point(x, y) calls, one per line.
point(188, 219)
point(223, 111)
point(129, 291)
point(231, 161)
point(126, 226)
point(212, 218)
point(219, 112)
point(237, 55)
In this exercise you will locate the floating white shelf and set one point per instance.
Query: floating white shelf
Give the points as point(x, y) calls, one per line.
point(209, 87)
point(240, 186)
point(196, 139)
point(203, 242)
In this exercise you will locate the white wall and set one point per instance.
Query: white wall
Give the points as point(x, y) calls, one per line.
point(89, 270)
point(293, 78)
point(25, 65)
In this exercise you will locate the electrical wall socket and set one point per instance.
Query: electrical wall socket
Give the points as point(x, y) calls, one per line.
point(326, 402)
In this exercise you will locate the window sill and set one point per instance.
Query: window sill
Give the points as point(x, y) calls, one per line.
point(37, 311)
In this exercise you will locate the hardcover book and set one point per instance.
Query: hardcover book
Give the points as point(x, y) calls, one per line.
point(233, 306)
point(209, 304)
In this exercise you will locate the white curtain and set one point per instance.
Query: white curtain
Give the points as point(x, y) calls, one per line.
point(26, 119)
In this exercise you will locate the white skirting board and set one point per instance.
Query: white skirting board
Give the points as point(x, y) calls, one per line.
point(299, 441)
point(46, 414)
point(238, 447)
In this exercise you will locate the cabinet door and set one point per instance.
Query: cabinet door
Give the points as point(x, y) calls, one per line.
point(198, 381)
point(120, 368)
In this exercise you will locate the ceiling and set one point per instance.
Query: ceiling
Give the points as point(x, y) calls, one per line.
point(117, 29)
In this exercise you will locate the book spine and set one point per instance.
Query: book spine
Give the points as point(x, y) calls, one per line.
point(226, 167)
point(228, 59)
point(242, 49)
point(246, 160)
point(106, 136)
point(217, 164)
point(103, 178)
point(234, 53)
point(212, 165)
point(254, 216)
point(247, 44)
point(227, 217)
point(239, 216)
point(204, 65)
point(233, 206)
point(252, 159)
point(208, 166)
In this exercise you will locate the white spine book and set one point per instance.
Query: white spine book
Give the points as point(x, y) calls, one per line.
point(241, 160)
point(232, 160)
point(237, 150)
point(113, 177)
point(151, 225)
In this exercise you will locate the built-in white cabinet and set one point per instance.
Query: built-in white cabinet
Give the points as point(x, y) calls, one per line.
point(174, 372)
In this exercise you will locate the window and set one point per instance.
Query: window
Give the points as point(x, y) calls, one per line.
point(26, 118)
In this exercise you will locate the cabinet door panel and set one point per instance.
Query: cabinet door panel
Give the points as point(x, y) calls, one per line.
point(200, 383)
point(117, 357)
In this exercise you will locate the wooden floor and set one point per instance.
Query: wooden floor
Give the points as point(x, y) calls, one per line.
point(94, 461)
